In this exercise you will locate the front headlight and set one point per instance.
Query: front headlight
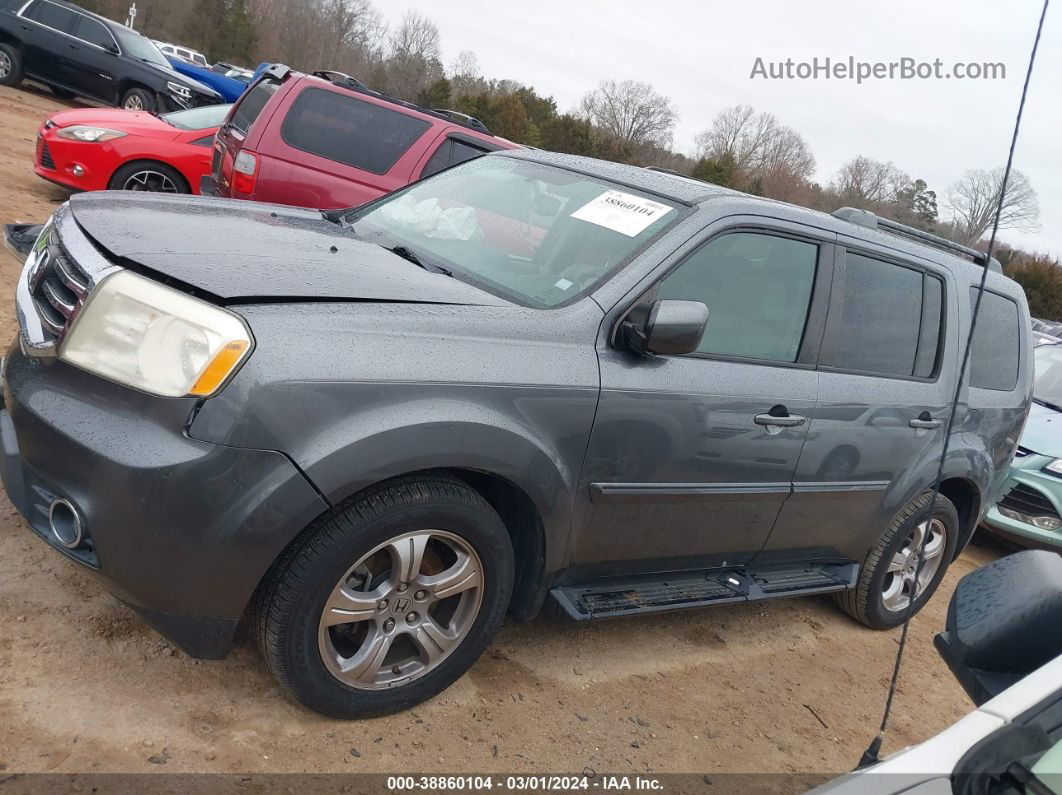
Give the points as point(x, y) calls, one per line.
point(143, 334)
point(179, 90)
point(1055, 467)
point(81, 132)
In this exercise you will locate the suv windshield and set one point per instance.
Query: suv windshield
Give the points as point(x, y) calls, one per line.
point(535, 234)
point(1047, 387)
point(136, 46)
point(197, 118)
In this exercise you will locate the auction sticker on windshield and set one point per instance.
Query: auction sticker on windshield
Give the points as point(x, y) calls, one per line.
point(621, 212)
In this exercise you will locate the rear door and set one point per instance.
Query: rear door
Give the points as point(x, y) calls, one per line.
point(233, 133)
point(691, 457)
point(47, 30)
point(91, 60)
point(886, 375)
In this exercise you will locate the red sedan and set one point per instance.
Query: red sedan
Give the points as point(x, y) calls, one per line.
point(115, 149)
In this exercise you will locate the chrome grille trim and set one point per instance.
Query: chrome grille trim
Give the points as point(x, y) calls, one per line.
point(55, 283)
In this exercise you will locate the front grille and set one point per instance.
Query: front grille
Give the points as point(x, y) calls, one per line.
point(44, 155)
point(58, 288)
point(1028, 501)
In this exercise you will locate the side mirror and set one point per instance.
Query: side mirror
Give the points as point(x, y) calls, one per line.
point(1003, 622)
point(112, 49)
point(671, 327)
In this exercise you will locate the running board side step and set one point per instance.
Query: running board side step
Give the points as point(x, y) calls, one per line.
point(681, 590)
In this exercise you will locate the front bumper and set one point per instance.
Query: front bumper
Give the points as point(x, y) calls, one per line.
point(180, 529)
point(1028, 473)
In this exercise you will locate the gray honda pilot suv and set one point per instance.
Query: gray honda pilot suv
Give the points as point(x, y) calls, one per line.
point(530, 381)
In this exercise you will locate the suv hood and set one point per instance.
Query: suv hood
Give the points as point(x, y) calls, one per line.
point(1043, 431)
point(241, 251)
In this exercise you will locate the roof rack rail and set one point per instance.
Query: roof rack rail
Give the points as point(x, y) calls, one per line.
point(869, 220)
point(340, 78)
point(462, 118)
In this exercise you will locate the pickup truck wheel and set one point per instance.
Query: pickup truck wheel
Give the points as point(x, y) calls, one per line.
point(138, 99)
point(887, 582)
point(388, 600)
point(10, 65)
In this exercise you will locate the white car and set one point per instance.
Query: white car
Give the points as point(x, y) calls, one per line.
point(1003, 618)
point(184, 53)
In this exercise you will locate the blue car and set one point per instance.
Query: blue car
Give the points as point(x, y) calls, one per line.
point(228, 87)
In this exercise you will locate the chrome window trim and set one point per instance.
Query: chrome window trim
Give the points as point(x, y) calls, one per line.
point(22, 15)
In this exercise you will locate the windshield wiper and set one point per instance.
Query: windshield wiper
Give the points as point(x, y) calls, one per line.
point(406, 254)
point(1043, 402)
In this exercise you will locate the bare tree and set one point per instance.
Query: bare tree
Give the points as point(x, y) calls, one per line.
point(766, 156)
point(631, 112)
point(414, 55)
point(974, 198)
point(865, 182)
point(465, 76)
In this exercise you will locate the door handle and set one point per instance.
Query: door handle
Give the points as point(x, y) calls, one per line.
point(779, 420)
point(924, 421)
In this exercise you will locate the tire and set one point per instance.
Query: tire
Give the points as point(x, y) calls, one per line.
point(876, 587)
point(291, 606)
point(151, 176)
point(10, 65)
point(138, 99)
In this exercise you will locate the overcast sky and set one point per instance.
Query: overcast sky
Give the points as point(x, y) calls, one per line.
point(701, 54)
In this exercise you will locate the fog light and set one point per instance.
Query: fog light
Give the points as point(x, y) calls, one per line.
point(78, 171)
point(1041, 522)
point(1047, 522)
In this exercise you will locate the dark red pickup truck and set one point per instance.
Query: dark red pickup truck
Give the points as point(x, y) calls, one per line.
point(325, 141)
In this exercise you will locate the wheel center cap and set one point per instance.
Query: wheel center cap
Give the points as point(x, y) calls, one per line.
point(401, 605)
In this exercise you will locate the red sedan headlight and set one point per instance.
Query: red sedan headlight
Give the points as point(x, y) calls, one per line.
point(81, 132)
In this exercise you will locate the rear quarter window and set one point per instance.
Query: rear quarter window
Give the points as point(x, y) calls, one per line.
point(252, 104)
point(996, 350)
point(348, 130)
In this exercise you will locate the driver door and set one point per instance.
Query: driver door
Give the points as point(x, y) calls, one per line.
point(692, 456)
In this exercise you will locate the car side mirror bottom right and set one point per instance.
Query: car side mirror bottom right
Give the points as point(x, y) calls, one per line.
point(1003, 622)
point(671, 327)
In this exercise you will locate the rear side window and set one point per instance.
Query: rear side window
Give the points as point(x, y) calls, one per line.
point(53, 16)
point(439, 160)
point(251, 105)
point(757, 289)
point(996, 344)
point(94, 32)
point(349, 130)
point(890, 319)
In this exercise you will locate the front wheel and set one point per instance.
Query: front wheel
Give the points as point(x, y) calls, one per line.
point(388, 600)
point(138, 99)
point(148, 175)
point(890, 578)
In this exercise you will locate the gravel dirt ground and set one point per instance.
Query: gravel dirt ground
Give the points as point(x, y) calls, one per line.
point(786, 686)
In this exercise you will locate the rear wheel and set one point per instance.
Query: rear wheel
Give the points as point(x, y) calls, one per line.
point(887, 582)
point(10, 65)
point(148, 175)
point(387, 601)
point(138, 99)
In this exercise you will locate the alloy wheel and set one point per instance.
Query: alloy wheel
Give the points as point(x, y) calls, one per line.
point(133, 102)
point(5, 65)
point(401, 610)
point(150, 181)
point(899, 587)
